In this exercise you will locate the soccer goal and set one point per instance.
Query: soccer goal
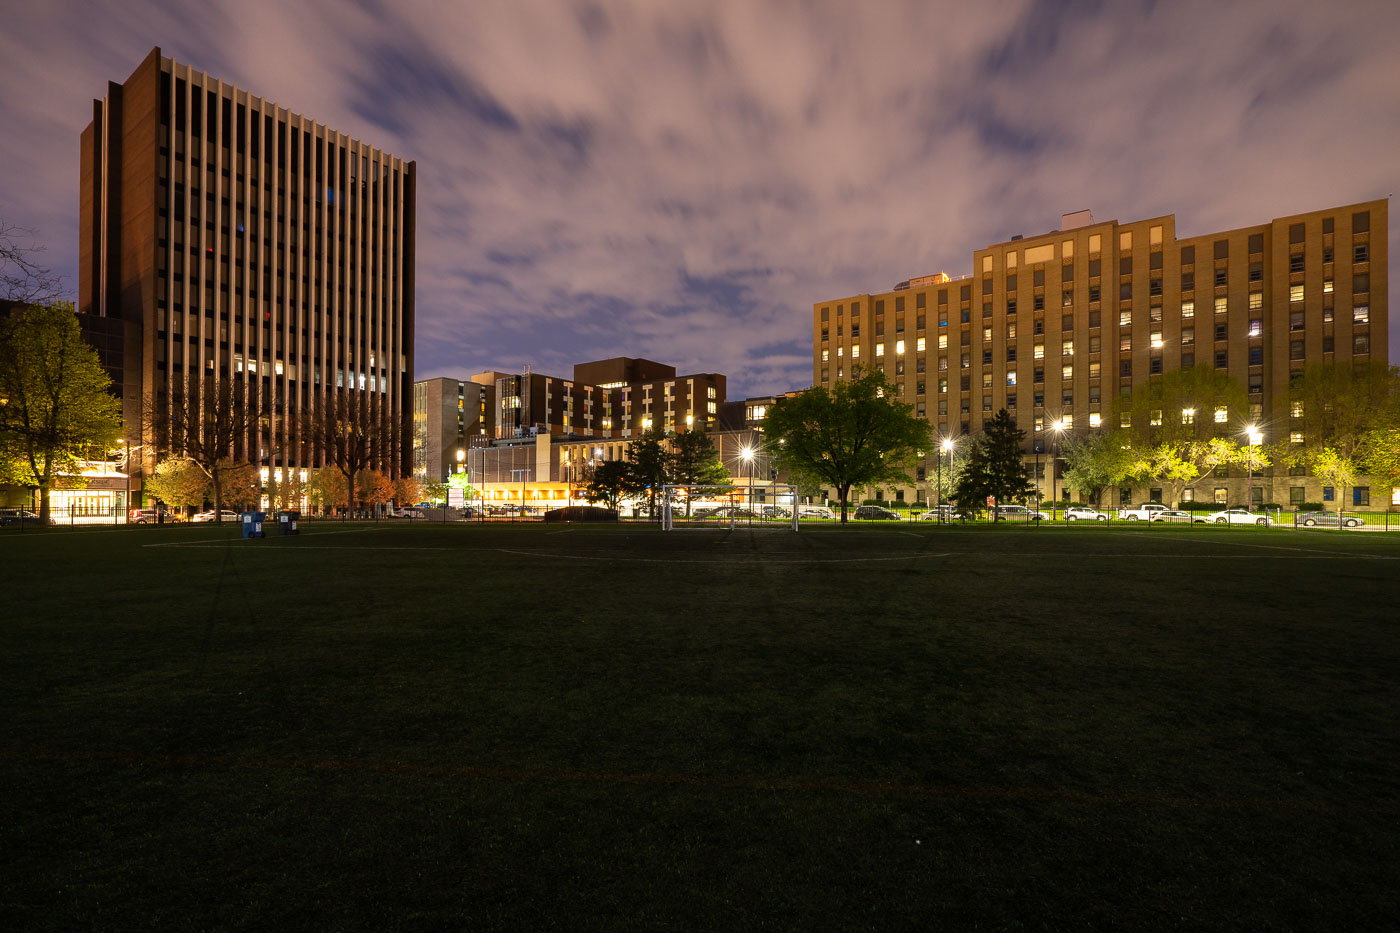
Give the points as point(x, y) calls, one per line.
point(738, 505)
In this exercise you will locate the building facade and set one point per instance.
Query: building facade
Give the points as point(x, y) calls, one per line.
point(247, 242)
point(618, 397)
point(449, 416)
point(1053, 327)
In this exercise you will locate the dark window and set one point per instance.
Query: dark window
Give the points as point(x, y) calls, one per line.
point(921, 300)
point(986, 286)
point(1361, 222)
point(1010, 354)
point(1222, 249)
point(1154, 260)
point(1295, 264)
point(825, 312)
point(943, 296)
point(1295, 234)
point(986, 309)
point(1256, 356)
point(1256, 383)
point(1221, 277)
point(966, 315)
point(1222, 359)
point(1067, 322)
point(1361, 343)
point(1361, 495)
point(1188, 281)
point(1188, 255)
point(1360, 283)
point(1011, 306)
point(986, 357)
point(1154, 365)
point(1188, 360)
point(1095, 268)
point(1125, 291)
point(1011, 283)
point(1360, 253)
point(1256, 271)
point(1094, 317)
point(1154, 287)
point(879, 307)
point(921, 322)
point(1327, 345)
point(1066, 273)
point(1326, 254)
point(1220, 332)
point(1295, 350)
point(899, 303)
point(1038, 327)
point(1125, 265)
point(966, 383)
point(1038, 277)
point(1066, 298)
point(1093, 293)
point(1327, 225)
point(1038, 302)
point(1125, 367)
point(964, 293)
point(1295, 320)
point(1256, 242)
point(1038, 376)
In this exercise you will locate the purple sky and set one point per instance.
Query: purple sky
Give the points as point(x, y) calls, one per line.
point(682, 180)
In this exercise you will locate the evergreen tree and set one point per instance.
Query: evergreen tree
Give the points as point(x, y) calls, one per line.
point(649, 465)
point(695, 462)
point(995, 466)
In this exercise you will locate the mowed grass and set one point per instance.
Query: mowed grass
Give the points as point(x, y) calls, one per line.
point(599, 728)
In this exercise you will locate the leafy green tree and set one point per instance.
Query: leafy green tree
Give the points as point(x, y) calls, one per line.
point(650, 462)
point(1345, 412)
point(996, 465)
point(437, 492)
point(854, 434)
point(695, 462)
point(328, 488)
point(177, 482)
point(1381, 457)
point(1183, 426)
point(55, 407)
point(608, 482)
point(1094, 462)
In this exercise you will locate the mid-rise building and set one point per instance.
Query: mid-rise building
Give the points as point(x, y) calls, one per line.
point(450, 415)
point(251, 243)
point(1054, 326)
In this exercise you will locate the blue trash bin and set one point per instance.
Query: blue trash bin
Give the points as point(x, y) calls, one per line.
point(253, 524)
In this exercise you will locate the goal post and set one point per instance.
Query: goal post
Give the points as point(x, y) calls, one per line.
point(770, 505)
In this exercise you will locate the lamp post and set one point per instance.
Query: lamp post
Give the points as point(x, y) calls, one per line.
point(1254, 436)
point(747, 454)
point(1057, 427)
point(947, 448)
point(126, 472)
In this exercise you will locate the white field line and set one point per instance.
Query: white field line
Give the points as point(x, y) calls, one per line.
point(1268, 547)
point(239, 537)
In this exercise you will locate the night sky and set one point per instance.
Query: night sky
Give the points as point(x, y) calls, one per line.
point(682, 180)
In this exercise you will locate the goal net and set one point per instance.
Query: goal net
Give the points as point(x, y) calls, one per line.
point(769, 505)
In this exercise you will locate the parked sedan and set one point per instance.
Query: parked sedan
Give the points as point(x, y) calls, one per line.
point(1017, 513)
point(1082, 513)
point(408, 513)
point(21, 517)
point(942, 512)
point(1328, 518)
point(875, 513)
point(224, 516)
point(1238, 517)
point(815, 511)
point(1173, 515)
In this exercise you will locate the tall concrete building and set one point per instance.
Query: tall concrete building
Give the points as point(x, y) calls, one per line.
point(450, 416)
point(250, 243)
point(1054, 326)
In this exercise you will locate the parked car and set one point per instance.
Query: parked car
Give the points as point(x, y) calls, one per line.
point(775, 511)
point(1017, 513)
point(224, 516)
point(1082, 513)
point(151, 516)
point(815, 511)
point(944, 512)
point(407, 513)
point(1328, 518)
point(1173, 515)
point(1140, 513)
point(875, 513)
point(1238, 517)
point(21, 517)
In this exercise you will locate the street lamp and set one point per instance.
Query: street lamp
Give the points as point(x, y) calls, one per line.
point(1255, 436)
point(1057, 427)
point(947, 448)
point(747, 454)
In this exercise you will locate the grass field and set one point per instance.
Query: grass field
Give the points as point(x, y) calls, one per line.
point(536, 727)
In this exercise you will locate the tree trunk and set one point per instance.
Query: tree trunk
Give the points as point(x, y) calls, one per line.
point(845, 492)
point(43, 506)
point(218, 498)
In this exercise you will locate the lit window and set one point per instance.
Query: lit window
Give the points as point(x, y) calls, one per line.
point(1295, 437)
point(1156, 418)
point(1326, 286)
point(986, 333)
point(1040, 351)
point(1066, 372)
point(1297, 409)
point(1188, 309)
point(1256, 300)
point(1125, 420)
point(1221, 306)
point(920, 345)
point(1093, 370)
point(1157, 340)
point(986, 380)
point(879, 349)
point(1095, 419)
point(1068, 419)
point(1067, 348)
point(1125, 342)
point(1256, 327)
point(855, 352)
point(1095, 241)
point(1221, 415)
point(826, 355)
point(942, 341)
point(1011, 330)
point(1295, 293)
point(1011, 377)
point(1361, 314)
point(1188, 335)
point(1125, 318)
point(1188, 416)
point(899, 347)
point(1125, 240)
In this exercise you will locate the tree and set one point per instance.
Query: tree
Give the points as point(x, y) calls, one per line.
point(996, 465)
point(1346, 412)
point(608, 483)
point(352, 436)
point(375, 487)
point(240, 482)
point(22, 279)
point(178, 482)
point(55, 407)
point(288, 492)
point(853, 434)
point(328, 488)
point(407, 490)
point(1179, 425)
point(650, 463)
point(695, 462)
point(436, 492)
point(202, 419)
point(1095, 462)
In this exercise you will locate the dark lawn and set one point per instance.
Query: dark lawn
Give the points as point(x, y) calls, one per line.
point(615, 728)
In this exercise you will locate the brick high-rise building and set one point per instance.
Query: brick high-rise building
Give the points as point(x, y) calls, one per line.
point(1054, 326)
point(249, 243)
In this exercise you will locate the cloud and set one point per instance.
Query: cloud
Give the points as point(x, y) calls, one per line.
point(683, 181)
